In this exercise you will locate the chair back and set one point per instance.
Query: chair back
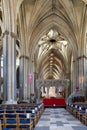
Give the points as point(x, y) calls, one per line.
point(0, 125)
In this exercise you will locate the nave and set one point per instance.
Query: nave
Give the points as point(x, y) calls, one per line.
point(58, 119)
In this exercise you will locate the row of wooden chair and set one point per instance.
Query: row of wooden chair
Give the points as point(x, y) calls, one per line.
point(22, 109)
point(79, 111)
point(16, 106)
point(34, 111)
point(16, 121)
point(20, 117)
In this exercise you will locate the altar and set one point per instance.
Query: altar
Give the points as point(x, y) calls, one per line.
point(54, 102)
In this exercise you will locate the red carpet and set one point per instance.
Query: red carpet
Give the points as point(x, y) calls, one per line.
point(54, 102)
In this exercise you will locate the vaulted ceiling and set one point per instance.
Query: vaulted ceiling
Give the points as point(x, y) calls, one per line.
point(38, 17)
point(35, 19)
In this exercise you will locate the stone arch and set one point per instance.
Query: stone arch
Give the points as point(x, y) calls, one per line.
point(84, 1)
point(85, 34)
point(59, 55)
point(48, 24)
point(18, 6)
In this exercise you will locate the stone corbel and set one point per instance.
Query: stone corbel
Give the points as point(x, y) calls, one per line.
point(5, 33)
point(24, 56)
point(13, 35)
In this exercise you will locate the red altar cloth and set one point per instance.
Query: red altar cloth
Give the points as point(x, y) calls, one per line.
point(54, 101)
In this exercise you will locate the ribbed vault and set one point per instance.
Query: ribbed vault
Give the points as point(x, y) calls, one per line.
point(38, 18)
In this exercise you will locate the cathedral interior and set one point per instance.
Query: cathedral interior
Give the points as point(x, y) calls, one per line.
point(43, 51)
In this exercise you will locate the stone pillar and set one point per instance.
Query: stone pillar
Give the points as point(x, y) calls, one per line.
point(32, 88)
point(66, 88)
point(23, 77)
point(84, 79)
point(35, 78)
point(38, 94)
point(28, 89)
point(81, 72)
point(26, 61)
point(21, 73)
point(44, 91)
point(47, 91)
point(75, 74)
point(31, 71)
point(0, 77)
point(9, 64)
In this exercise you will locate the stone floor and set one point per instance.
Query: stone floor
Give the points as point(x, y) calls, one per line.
point(58, 119)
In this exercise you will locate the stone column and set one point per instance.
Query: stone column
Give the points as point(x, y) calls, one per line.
point(75, 74)
point(0, 77)
point(35, 86)
point(31, 72)
point(23, 77)
point(26, 61)
point(44, 91)
point(47, 91)
point(85, 72)
point(38, 94)
point(81, 72)
point(9, 64)
point(84, 78)
point(29, 85)
point(66, 88)
point(21, 73)
point(32, 88)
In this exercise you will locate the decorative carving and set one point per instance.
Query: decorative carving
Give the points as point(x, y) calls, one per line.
point(50, 83)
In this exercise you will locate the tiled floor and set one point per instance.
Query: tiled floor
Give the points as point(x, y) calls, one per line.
point(58, 119)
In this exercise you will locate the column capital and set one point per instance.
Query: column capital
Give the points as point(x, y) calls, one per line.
point(24, 56)
point(12, 34)
point(5, 33)
point(80, 57)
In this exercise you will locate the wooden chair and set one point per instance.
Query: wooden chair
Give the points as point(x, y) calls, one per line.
point(75, 110)
point(24, 121)
point(20, 111)
point(0, 125)
point(11, 121)
point(33, 116)
point(2, 118)
point(70, 108)
point(10, 111)
point(84, 118)
point(80, 112)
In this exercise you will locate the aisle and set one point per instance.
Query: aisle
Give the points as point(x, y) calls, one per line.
point(58, 119)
